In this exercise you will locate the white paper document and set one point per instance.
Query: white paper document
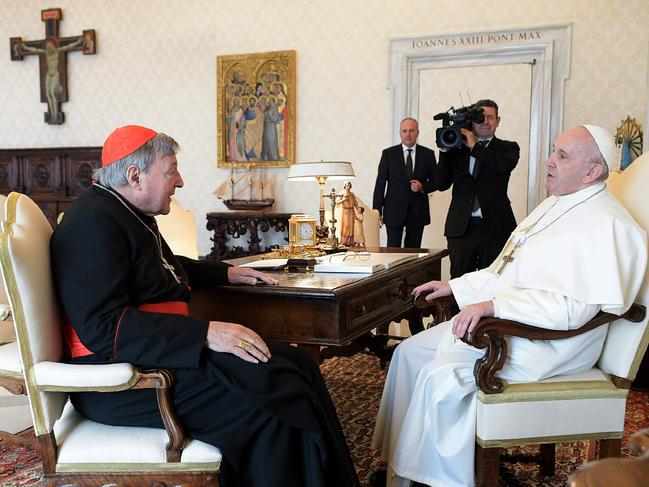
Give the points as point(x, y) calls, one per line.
point(361, 263)
point(267, 264)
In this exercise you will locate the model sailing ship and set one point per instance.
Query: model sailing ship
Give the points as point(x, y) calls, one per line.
point(241, 183)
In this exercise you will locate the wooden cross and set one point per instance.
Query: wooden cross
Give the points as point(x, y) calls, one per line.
point(52, 60)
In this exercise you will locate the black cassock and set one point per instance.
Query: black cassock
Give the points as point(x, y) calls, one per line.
point(274, 423)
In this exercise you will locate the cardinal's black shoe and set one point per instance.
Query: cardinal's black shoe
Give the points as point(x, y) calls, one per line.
point(379, 478)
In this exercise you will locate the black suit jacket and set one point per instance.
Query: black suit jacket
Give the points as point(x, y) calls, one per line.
point(393, 203)
point(495, 164)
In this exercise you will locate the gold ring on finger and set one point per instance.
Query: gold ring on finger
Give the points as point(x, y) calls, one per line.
point(245, 345)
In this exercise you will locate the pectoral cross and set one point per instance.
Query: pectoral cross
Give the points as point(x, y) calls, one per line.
point(170, 268)
point(52, 52)
point(504, 261)
point(507, 258)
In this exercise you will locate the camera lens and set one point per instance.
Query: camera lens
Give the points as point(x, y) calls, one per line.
point(451, 138)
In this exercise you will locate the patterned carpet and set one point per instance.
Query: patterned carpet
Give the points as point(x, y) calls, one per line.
point(356, 384)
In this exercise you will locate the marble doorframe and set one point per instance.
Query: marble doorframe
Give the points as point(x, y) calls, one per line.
point(546, 48)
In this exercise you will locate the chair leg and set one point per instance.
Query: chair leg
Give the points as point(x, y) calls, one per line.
point(609, 448)
point(546, 460)
point(592, 451)
point(487, 466)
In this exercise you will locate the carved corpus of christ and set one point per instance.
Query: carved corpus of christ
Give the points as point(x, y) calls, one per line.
point(52, 51)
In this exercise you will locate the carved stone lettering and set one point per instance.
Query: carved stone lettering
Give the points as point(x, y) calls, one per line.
point(476, 39)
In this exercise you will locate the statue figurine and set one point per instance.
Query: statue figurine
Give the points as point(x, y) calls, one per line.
point(351, 213)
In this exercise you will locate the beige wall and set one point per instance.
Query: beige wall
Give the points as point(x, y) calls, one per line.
point(156, 65)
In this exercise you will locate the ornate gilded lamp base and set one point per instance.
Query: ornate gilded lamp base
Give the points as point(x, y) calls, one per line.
point(332, 241)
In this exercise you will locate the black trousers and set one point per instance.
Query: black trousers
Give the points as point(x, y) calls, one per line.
point(474, 250)
point(414, 232)
point(413, 236)
point(274, 423)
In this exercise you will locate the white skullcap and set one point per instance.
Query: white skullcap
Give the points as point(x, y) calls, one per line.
point(606, 145)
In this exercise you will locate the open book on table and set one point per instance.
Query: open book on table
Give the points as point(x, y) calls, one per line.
point(361, 262)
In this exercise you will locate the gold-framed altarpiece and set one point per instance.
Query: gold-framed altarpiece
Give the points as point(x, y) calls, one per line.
point(256, 109)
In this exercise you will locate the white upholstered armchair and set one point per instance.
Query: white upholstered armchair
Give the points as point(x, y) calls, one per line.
point(178, 228)
point(589, 405)
point(73, 448)
point(11, 375)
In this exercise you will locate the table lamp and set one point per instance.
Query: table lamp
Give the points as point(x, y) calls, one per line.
point(321, 172)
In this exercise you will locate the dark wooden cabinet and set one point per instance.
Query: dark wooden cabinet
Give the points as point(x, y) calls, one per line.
point(52, 177)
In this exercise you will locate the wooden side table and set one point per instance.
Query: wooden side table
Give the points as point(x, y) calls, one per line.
point(235, 224)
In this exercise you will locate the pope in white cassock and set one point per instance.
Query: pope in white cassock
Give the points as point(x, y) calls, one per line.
point(577, 253)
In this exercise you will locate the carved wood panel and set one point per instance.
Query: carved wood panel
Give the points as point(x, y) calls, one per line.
point(52, 177)
point(42, 174)
point(9, 173)
point(78, 173)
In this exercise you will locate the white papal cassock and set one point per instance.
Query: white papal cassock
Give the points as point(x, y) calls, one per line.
point(573, 255)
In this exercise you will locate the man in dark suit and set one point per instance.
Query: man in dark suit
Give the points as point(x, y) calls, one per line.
point(409, 171)
point(480, 217)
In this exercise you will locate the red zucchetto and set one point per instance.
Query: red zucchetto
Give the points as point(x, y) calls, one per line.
point(124, 141)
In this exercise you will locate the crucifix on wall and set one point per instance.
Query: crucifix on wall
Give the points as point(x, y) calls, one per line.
point(52, 52)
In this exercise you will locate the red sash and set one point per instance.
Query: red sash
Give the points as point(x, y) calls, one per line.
point(77, 349)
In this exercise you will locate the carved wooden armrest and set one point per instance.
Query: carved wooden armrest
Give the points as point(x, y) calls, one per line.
point(626, 472)
point(161, 380)
point(14, 385)
point(639, 442)
point(442, 309)
point(489, 333)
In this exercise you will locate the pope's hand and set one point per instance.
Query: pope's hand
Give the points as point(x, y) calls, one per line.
point(433, 290)
point(246, 275)
point(237, 340)
point(467, 319)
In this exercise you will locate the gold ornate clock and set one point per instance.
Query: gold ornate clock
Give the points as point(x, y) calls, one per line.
point(301, 230)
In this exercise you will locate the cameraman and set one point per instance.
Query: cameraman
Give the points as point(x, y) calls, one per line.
point(480, 217)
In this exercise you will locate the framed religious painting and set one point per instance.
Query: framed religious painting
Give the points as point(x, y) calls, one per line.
point(256, 109)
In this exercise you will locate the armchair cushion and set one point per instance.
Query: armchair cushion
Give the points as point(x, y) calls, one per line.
point(10, 364)
point(178, 228)
point(575, 405)
point(81, 441)
point(7, 332)
point(74, 377)
point(626, 343)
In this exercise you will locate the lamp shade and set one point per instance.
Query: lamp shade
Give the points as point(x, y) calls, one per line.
point(304, 171)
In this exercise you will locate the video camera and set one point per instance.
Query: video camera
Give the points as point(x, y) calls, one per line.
point(449, 135)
